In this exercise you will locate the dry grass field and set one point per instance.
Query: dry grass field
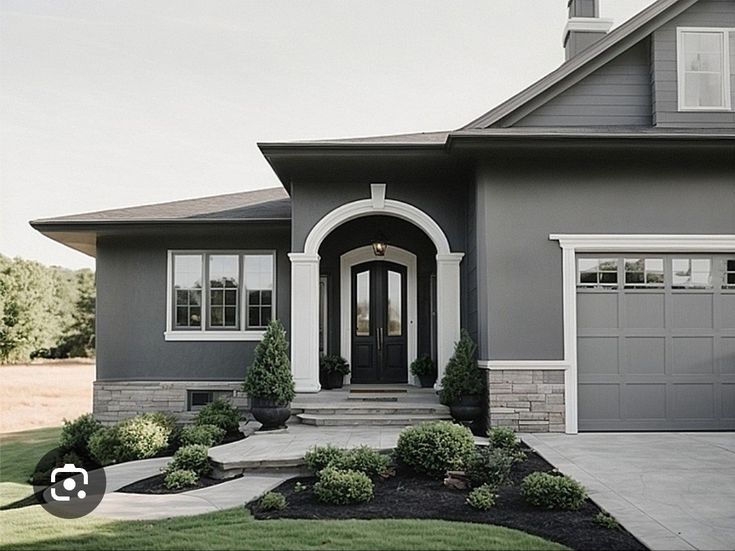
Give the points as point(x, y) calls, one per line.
point(42, 394)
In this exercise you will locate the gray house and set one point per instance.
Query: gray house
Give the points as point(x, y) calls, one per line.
point(583, 232)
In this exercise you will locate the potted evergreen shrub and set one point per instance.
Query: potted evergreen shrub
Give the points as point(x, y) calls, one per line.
point(269, 381)
point(463, 384)
point(332, 371)
point(425, 370)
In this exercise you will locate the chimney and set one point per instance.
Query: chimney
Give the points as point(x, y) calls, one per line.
point(584, 27)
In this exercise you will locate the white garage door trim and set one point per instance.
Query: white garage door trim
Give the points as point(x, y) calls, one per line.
point(571, 244)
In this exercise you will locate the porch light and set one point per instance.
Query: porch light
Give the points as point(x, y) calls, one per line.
point(379, 246)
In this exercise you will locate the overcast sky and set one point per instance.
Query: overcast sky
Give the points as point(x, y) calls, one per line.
point(109, 103)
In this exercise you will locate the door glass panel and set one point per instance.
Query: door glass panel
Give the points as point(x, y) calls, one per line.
point(395, 303)
point(362, 309)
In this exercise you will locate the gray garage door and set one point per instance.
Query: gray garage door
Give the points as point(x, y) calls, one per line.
point(656, 341)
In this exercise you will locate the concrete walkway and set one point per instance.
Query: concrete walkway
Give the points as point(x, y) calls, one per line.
point(670, 490)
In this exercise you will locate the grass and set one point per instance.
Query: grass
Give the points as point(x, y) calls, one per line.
point(32, 528)
point(236, 529)
point(19, 453)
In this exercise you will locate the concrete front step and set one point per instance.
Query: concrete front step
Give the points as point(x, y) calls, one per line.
point(381, 419)
point(379, 408)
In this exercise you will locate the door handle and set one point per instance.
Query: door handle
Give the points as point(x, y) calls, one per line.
point(380, 338)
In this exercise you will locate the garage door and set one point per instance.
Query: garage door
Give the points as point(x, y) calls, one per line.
point(656, 342)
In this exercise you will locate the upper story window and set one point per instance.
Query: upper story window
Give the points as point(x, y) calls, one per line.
point(703, 69)
point(220, 295)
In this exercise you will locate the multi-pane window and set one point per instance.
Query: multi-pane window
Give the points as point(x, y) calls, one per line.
point(691, 273)
point(728, 273)
point(222, 291)
point(224, 284)
point(704, 70)
point(597, 272)
point(259, 288)
point(644, 272)
point(188, 291)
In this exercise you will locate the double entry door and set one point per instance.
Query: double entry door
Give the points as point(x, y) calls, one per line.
point(379, 328)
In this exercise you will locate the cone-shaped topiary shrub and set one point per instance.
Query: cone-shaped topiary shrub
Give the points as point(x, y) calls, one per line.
point(462, 376)
point(269, 378)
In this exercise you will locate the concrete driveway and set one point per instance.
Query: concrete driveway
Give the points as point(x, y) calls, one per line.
point(670, 490)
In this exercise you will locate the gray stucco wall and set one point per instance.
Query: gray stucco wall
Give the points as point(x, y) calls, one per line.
point(444, 200)
point(705, 13)
point(521, 202)
point(131, 304)
point(617, 94)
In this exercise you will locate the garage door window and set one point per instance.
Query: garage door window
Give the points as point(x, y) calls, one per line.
point(597, 272)
point(644, 272)
point(691, 273)
point(729, 273)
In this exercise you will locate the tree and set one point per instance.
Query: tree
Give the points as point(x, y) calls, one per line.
point(28, 319)
point(269, 378)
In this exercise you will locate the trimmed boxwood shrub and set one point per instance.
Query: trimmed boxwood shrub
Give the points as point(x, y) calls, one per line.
point(180, 478)
point(343, 487)
point(435, 448)
point(333, 363)
point(489, 466)
point(105, 446)
point(75, 434)
point(204, 435)
point(272, 501)
point(363, 459)
point(220, 413)
point(190, 458)
point(482, 498)
point(319, 457)
point(142, 437)
point(504, 438)
point(552, 491)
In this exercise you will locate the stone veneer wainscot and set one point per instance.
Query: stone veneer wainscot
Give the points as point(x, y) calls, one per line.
point(527, 400)
point(117, 400)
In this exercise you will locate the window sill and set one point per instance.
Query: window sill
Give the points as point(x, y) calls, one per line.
point(213, 335)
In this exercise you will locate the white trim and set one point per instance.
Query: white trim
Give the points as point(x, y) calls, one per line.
point(202, 333)
point(366, 254)
point(523, 365)
point(586, 25)
point(305, 287)
point(324, 312)
point(377, 195)
point(571, 244)
point(213, 335)
point(365, 207)
point(726, 69)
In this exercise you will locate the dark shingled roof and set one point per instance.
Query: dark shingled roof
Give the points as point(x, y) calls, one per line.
point(264, 204)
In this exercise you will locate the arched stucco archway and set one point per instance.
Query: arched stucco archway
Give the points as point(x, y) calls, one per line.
point(305, 283)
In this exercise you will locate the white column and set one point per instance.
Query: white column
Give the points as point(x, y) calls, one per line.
point(447, 309)
point(569, 282)
point(305, 321)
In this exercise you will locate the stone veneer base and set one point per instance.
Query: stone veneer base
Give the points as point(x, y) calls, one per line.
point(114, 401)
point(527, 400)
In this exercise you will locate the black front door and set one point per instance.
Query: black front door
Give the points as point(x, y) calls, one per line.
point(379, 323)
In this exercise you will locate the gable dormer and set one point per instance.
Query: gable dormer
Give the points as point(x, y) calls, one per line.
point(693, 67)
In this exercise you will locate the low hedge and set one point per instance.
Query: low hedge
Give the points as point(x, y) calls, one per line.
point(190, 458)
point(204, 435)
point(219, 413)
point(435, 448)
point(180, 478)
point(343, 487)
point(552, 491)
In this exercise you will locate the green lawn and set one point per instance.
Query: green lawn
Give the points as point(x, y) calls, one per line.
point(33, 528)
point(19, 453)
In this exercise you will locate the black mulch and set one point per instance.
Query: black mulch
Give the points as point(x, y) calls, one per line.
point(407, 495)
point(155, 485)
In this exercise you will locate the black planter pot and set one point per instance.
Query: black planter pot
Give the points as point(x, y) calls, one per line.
point(427, 381)
point(467, 408)
point(332, 380)
point(269, 414)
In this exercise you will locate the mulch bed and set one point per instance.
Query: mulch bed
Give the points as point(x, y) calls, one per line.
point(408, 495)
point(155, 485)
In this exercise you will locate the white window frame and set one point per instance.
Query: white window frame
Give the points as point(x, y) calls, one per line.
point(727, 71)
point(202, 333)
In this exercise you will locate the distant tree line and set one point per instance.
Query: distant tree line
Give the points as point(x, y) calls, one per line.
point(45, 311)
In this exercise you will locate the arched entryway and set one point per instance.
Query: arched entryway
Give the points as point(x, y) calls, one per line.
point(305, 280)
